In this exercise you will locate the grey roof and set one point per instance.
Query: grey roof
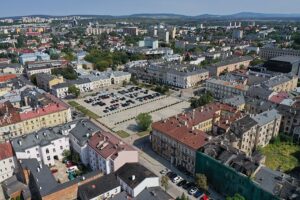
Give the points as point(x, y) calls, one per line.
point(41, 138)
point(11, 65)
point(243, 125)
point(81, 129)
point(276, 80)
point(98, 187)
point(287, 58)
point(45, 181)
point(235, 100)
point(41, 175)
point(232, 60)
point(12, 185)
point(154, 193)
point(140, 172)
point(266, 117)
point(277, 183)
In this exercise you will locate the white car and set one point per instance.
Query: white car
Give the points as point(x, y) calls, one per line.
point(177, 179)
point(193, 190)
point(72, 169)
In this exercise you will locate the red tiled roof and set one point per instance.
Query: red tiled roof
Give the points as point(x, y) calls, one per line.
point(107, 145)
point(180, 127)
point(53, 107)
point(6, 151)
point(8, 114)
point(7, 77)
point(279, 97)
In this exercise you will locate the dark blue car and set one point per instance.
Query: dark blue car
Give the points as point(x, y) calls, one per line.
point(198, 194)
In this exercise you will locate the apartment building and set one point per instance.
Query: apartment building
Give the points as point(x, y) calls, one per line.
point(272, 52)
point(44, 145)
point(133, 31)
point(224, 89)
point(229, 65)
point(47, 81)
point(178, 138)
point(98, 30)
point(108, 153)
point(281, 83)
point(255, 131)
point(37, 110)
point(178, 75)
point(7, 161)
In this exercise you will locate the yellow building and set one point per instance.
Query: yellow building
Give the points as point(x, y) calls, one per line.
point(15, 123)
point(47, 81)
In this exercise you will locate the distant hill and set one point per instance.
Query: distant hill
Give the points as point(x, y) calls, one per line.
point(241, 15)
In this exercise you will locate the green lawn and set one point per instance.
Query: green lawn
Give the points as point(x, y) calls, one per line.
point(143, 133)
point(283, 155)
point(83, 110)
point(123, 134)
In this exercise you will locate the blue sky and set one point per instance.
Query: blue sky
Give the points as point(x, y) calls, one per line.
point(123, 7)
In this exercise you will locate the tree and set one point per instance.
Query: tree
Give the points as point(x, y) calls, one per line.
point(74, 90)
point(68, 73)
point(33, 79)
point(165, 182)
point(236, 197)
point(201, 181)
point(183, 197)
point(144, 121)
point(202, 100)
point(66, 154)
point(134, 80)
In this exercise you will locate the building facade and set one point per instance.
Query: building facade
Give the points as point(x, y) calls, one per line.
point(107, 153)
point(7, 161)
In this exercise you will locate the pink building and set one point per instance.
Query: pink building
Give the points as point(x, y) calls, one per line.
point(108, 153)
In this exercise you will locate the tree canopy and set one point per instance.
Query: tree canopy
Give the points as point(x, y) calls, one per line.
point(144, 121)
point(236, 197)
point(202, 100)
point(68, 73)
point(74, 90)
point(201, 181)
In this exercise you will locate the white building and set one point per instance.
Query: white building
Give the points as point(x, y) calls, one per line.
point(44, 145)
point(149, 43)
point(7, 161)
point(79, 132)
point(108, 153)
point(134, 178)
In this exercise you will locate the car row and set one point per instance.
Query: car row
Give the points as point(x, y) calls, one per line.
point(190, 187)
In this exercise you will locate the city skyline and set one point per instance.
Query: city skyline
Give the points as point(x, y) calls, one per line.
point(189, 7)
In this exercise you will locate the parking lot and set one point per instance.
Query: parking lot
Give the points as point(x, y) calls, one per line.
point(112, 101)
point(118, 108)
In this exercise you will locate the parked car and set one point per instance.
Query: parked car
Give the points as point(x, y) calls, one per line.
point(171, 175)
point(72, 169)
point(193, 190)
point(164, 171)
point(189, 185)
point(181, 183)
point(198, 194)
point(177, 179)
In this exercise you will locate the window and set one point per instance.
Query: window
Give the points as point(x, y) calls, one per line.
point(47, 150)
point(48, 157)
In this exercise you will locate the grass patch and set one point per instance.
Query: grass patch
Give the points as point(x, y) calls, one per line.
point(143, 133)
point(282, 155)
point(123, 134)
point(83, 110)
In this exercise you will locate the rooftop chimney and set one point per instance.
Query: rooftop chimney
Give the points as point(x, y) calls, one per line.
point(133, 177)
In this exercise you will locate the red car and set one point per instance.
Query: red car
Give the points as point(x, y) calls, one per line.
point(69, 164)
